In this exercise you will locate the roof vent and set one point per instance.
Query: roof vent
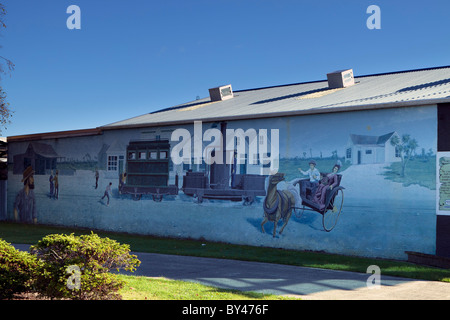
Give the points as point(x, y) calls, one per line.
point(221, 93)
point(341, 79)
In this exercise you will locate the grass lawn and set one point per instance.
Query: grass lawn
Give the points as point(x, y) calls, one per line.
point(145, 288)
point(419, 170)
point(141, 288)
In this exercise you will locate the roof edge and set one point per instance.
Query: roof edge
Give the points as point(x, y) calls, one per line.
point(55, 135)
point(100, 130)
point(387, 105)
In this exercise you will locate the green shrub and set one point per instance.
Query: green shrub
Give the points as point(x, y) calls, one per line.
point(16, 270)
point(77, 267)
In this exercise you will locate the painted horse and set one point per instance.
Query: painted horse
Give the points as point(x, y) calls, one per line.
point(277, 204)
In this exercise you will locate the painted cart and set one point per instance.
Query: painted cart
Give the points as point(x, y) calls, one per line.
point(330, 209)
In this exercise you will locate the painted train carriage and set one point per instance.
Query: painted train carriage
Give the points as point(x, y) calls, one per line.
point(220, 181)
point(147, 170)
point(147, 173)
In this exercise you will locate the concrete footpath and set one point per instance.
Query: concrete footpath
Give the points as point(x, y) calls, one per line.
point(306, 283)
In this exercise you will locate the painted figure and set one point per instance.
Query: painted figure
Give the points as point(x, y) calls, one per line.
point(107, 192)
point(333, 177)
point(97, 175)
point(312, 172)
point(314, 177)
point(123, 178)
point(321, 192)
point(56, 182)
point(50, 180)
point(328, 182)
point(25, 203)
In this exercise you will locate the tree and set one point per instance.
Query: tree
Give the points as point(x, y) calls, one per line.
point(5, 112)
point(405, 148)
point(6, 66)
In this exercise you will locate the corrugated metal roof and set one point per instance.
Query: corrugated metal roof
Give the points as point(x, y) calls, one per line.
point(412, 87)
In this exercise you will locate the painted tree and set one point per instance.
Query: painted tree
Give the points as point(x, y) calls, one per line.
point(6, 66)
point(405, 147)
point(334, 154)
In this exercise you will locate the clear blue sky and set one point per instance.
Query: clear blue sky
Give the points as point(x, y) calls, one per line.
point(137, 56)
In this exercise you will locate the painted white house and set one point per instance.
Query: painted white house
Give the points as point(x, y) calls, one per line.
point(363, 149)
point(115, 157)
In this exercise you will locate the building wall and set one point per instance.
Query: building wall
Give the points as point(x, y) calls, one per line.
point(3, 197)
point(384, 214)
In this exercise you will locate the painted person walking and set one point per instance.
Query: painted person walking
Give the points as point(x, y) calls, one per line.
point(97, 175)
point(107, 192)
point(52, 186)
point(56, 182)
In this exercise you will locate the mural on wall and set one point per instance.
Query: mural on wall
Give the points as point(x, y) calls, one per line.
point(384, 162)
